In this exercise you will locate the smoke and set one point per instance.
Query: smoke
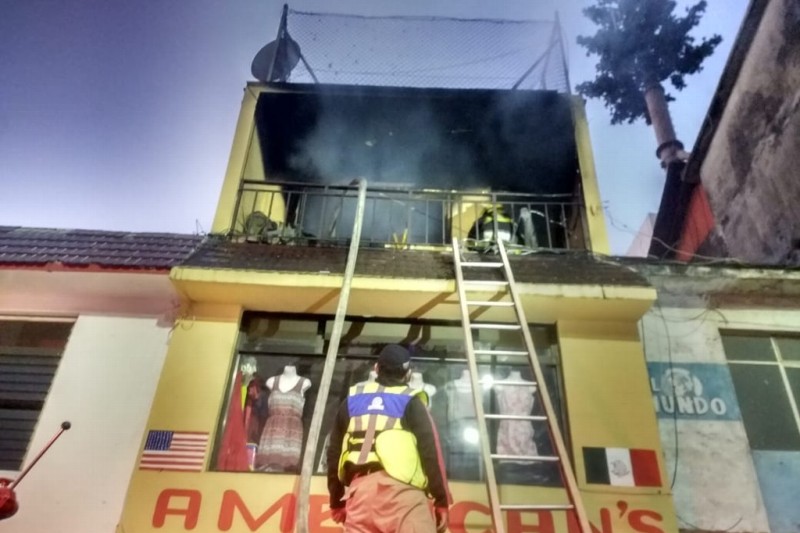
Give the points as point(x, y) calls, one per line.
point(393, 142)
point(397, 142)
point(517, 141)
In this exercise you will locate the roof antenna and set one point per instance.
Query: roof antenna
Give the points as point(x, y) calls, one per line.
point(276, 59)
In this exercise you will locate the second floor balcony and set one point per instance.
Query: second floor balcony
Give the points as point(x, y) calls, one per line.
point(435, 161)
point(398, 216)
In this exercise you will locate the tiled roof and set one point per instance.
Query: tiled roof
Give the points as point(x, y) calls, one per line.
point(86, 248)
point(574, 268)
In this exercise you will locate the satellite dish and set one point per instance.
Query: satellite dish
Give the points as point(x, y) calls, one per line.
point(288, 57)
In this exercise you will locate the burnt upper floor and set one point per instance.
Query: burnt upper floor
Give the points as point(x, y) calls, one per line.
point(505, 140)
point(435, 160)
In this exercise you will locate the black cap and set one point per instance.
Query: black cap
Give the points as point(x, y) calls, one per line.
point(394, 357)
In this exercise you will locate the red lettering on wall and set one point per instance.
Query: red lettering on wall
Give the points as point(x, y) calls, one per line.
point(637, 521)
point(605, 523)
point(459, 512)
point(544, 522)
point(465, 516)
point(190, 513)
point(318, 512)
point(232, 502)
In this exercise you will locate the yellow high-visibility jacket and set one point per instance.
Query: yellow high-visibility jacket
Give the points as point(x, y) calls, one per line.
point(375, 433)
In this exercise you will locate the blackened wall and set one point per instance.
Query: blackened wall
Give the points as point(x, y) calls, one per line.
point(752, 169)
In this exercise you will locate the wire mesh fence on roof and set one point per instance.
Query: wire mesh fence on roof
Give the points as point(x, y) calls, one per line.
point(428, 52)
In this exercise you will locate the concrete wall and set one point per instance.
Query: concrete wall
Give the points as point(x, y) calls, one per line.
point(104, 386)
point(752, 170)
point(719, 484)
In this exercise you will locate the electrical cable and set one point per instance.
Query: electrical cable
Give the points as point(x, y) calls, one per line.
point(416, 18)
point(674, 400)
point(710, 259)
point(429, 69)
point(676, 440)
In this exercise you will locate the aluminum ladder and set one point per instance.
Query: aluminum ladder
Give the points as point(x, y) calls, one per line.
point(465, 286)
point(312, 439)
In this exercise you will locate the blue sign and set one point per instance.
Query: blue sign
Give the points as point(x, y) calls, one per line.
point(693, 391)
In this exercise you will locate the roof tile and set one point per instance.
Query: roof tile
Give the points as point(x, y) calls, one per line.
point(106, 249)
point(110, 249)
point(575, 268)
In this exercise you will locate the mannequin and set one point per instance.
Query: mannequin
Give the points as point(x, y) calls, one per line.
point(463, 381)
point(247, 368)
point(461, 437)
point(515, 437)
point(289, 380)
point(460, 403)
point(282, 438)
point(417, 383)
point(253, 399)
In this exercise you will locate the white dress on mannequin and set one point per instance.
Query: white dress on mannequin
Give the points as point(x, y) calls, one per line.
point(462, 437)
point(460, 403)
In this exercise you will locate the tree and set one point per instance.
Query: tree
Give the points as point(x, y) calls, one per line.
point(640, 44)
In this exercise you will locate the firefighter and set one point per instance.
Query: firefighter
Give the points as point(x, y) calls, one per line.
point(384, 458)
point(482, 231)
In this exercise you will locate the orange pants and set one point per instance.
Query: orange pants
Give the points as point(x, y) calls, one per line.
point(378, 503)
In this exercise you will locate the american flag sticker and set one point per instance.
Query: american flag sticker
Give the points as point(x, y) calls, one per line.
point(183, 451)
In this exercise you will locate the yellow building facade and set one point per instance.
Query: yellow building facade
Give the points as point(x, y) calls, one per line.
point(271, 303)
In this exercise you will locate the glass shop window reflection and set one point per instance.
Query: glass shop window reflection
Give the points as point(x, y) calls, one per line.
point(272, 396)
point(278, 371)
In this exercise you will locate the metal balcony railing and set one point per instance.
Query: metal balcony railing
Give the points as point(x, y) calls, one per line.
point(400, 216)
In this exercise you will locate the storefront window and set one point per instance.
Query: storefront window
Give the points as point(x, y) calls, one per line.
point(278, 403)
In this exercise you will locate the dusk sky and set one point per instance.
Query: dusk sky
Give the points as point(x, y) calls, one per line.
point(119, 115)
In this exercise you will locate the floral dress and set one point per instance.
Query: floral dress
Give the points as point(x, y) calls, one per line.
point(515, 437)
point(282, 437)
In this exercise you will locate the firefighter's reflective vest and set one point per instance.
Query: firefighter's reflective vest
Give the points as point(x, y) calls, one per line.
point(375, 433)
point(505, 226)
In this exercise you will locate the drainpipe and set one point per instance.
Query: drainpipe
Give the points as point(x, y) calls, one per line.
point(670, 149)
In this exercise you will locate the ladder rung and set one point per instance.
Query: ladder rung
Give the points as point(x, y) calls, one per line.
point(542, 507)
point(516, 417)
point(478, 264)
point(501, 352)
point(526, 458)
point(496, 326)
point(491, 304)
point(492, 282)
